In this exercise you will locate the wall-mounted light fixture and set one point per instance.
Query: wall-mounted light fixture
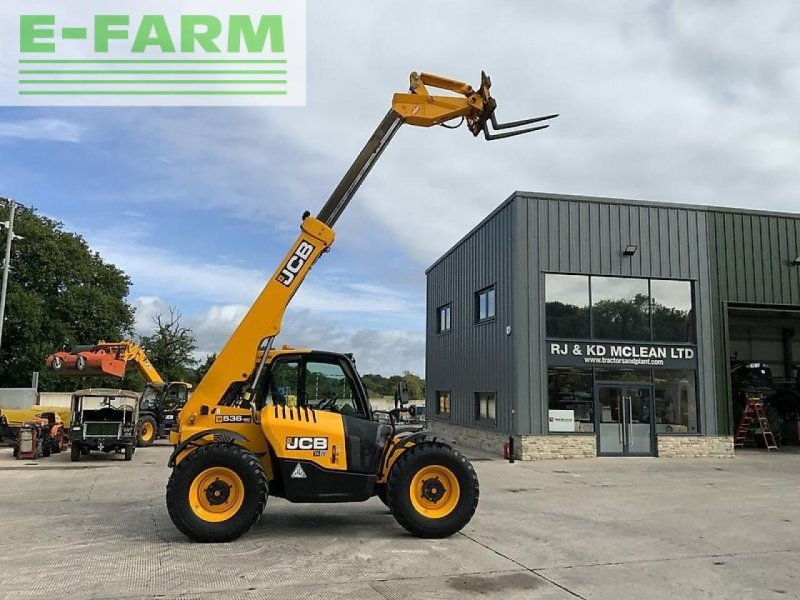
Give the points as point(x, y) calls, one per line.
point(796, 262)
point(630, 249)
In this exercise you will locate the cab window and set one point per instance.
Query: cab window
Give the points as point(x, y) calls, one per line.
point(283, 384)
point(175, 398)
point(327, 387)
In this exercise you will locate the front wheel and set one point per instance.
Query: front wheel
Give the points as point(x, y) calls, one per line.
point(74, 452)
point(432, 490)
point(129, 453)
point(217, 493)
point(146, 431)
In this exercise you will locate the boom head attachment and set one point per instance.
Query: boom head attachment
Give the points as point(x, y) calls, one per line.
point(481, 121)
point(477, 107)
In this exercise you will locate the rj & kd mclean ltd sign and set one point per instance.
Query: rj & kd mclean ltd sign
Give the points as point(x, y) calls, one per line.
point(588, 354)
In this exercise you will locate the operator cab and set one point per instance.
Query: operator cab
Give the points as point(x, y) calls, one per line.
point(319, 380)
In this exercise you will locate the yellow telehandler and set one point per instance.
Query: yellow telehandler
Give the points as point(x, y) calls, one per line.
point(297, 424)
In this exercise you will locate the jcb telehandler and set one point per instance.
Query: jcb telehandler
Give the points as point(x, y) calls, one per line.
point(297, 423)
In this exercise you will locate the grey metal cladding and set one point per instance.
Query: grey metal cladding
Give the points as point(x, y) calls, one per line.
point(733, 256)
point(573, 234)
point(751, 257)
point(472, 357)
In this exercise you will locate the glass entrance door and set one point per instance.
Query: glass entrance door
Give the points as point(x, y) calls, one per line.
point(625, 420)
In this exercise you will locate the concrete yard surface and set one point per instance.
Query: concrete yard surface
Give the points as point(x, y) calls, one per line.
point(621, 528)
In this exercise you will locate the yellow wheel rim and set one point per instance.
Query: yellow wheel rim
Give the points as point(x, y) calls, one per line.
point(216, 494)
point(434, 491)
point(147, 431)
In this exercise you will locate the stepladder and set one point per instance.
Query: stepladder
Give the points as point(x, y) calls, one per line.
point(754, 419)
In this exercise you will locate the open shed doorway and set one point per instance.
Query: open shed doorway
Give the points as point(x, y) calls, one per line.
point(764, 344)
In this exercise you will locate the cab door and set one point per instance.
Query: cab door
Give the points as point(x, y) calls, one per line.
point(172, 401)
point(320, 428)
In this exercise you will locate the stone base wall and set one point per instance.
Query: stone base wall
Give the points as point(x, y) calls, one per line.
point(691, 446)
point(545, 447)
point(471, 437)
point(526, 447)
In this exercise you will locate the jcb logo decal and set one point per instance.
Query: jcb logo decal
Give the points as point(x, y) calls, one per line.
point(296, 261)
point(306, 443)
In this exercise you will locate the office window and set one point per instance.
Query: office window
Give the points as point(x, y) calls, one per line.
point(443, 319)
point(567, 306)
point(676, 401)
point(486, 406)
point(443, 403)
point(570, 400)
point(485, 304)
point(620, 308)
point(673, 311)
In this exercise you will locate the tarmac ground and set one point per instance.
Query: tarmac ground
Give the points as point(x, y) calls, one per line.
point(605, 528)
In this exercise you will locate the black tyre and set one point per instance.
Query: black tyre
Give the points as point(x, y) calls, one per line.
point(146, 431)
point(46, 448)
point(217, 493)
point(129, 453)
point(381, 494)
point(74, 452)
point(432, 490)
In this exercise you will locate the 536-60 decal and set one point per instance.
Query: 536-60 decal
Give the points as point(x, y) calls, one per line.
point(233, 419)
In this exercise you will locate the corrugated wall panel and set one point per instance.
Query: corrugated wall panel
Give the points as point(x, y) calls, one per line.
point(473, 357)
point(733, 256)
point(750, 263)
point(672, 245)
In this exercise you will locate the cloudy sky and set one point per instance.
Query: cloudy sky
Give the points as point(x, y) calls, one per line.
point(671, 101)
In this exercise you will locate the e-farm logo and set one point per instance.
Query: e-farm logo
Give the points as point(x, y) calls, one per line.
point(143, 52)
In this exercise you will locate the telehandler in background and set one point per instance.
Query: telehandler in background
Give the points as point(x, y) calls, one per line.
point(160, 402)
point(297, 423)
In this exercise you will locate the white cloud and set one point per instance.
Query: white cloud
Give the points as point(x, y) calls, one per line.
point(677, 102)
point(376, 351)
point(53, 130)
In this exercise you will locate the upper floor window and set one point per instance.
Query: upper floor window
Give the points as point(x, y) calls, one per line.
point(567, 306)
point(672, 306)
point(485, 304)
point(619, 308)
point(443, 318)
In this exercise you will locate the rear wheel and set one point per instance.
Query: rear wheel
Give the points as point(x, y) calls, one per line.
point(129, 453)
point(432, 490)
point(217, 493)
point(146, 431)
point(74, 452)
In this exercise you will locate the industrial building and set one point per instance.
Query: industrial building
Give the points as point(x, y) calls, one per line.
point(602, 327)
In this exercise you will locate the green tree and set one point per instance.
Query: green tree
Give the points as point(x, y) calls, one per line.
point(171, 347)
point(416, 386)
point(201, 370)
point(60, 294)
